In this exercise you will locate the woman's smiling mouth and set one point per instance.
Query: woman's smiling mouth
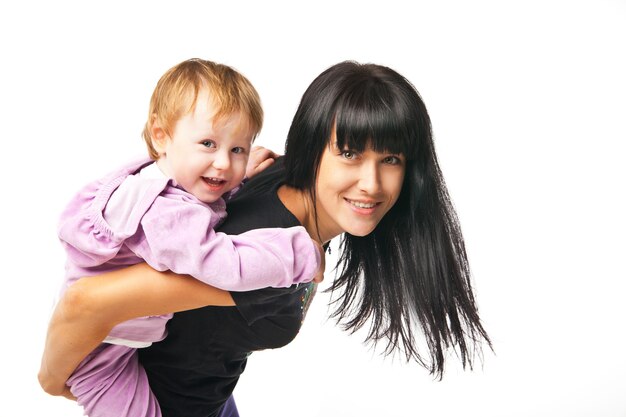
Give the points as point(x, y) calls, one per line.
point(361, 204)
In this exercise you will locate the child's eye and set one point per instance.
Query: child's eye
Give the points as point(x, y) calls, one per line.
point(208, 143)
point(238, 149)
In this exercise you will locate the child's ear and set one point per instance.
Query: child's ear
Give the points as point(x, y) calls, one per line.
point(159, 138)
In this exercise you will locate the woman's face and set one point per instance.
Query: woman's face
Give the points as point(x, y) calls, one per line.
point(356, 189)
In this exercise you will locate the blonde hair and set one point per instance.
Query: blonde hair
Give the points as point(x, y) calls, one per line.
point(177, 91)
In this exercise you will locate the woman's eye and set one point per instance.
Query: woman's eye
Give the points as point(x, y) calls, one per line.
point(208, 143)
point(392, 160)
point(348, 154)
point(238, 149)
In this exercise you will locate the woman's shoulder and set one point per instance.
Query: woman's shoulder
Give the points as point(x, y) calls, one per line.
point(257, 204)
point(264, 183)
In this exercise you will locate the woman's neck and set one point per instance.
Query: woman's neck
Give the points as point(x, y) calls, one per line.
point(299, 203)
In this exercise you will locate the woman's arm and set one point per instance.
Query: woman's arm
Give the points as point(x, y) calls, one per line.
point(93, 306)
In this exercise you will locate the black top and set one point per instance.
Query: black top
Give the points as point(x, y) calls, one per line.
point(195, 368)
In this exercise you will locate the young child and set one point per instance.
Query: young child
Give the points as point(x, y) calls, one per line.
point(203, 118)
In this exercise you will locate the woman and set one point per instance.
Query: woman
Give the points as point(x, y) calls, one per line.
point(359, 162)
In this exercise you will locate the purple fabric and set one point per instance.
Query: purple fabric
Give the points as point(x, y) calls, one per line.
point(110, 382)
point(172, 230)
point(169, 229)
point(229, 409)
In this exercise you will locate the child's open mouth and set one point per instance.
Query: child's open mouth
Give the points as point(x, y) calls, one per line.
point(214, 182)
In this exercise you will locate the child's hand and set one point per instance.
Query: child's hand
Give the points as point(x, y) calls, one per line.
point(260, 158)
point(319, 277)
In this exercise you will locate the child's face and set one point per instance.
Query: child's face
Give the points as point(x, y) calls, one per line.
point(205, 158)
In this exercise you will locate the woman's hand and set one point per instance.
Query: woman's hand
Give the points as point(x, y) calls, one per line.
point(91, 307)
point(73, 332)
point(260, 158)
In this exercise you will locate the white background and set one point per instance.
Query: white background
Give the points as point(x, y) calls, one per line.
point(528, 102)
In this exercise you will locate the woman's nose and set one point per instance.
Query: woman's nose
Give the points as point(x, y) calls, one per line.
point(369, 181)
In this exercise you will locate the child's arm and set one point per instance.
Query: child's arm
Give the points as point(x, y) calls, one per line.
point(178, 236)
point(93, 306)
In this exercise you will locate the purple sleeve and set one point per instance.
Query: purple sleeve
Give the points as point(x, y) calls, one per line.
point(178, 236)
point(85, 236)
point(83, 231)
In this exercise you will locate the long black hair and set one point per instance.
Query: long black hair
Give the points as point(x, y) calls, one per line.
point(411, 273)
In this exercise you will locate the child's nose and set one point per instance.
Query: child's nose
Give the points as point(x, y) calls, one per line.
point(221, 161)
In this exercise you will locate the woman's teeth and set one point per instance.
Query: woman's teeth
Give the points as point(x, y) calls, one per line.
point(361, 205)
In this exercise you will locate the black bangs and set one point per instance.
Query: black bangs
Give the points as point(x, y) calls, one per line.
point(370, 115)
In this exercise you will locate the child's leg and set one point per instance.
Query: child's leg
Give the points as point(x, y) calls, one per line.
point(110, 382)
point(229, 409)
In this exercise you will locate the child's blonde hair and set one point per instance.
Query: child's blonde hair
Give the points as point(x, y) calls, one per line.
point(177, 91)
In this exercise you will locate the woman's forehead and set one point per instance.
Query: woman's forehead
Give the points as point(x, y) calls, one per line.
point(380, 144)
point(382, 134)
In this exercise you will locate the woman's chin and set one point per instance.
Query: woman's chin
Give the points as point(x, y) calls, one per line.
point(360, 232)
